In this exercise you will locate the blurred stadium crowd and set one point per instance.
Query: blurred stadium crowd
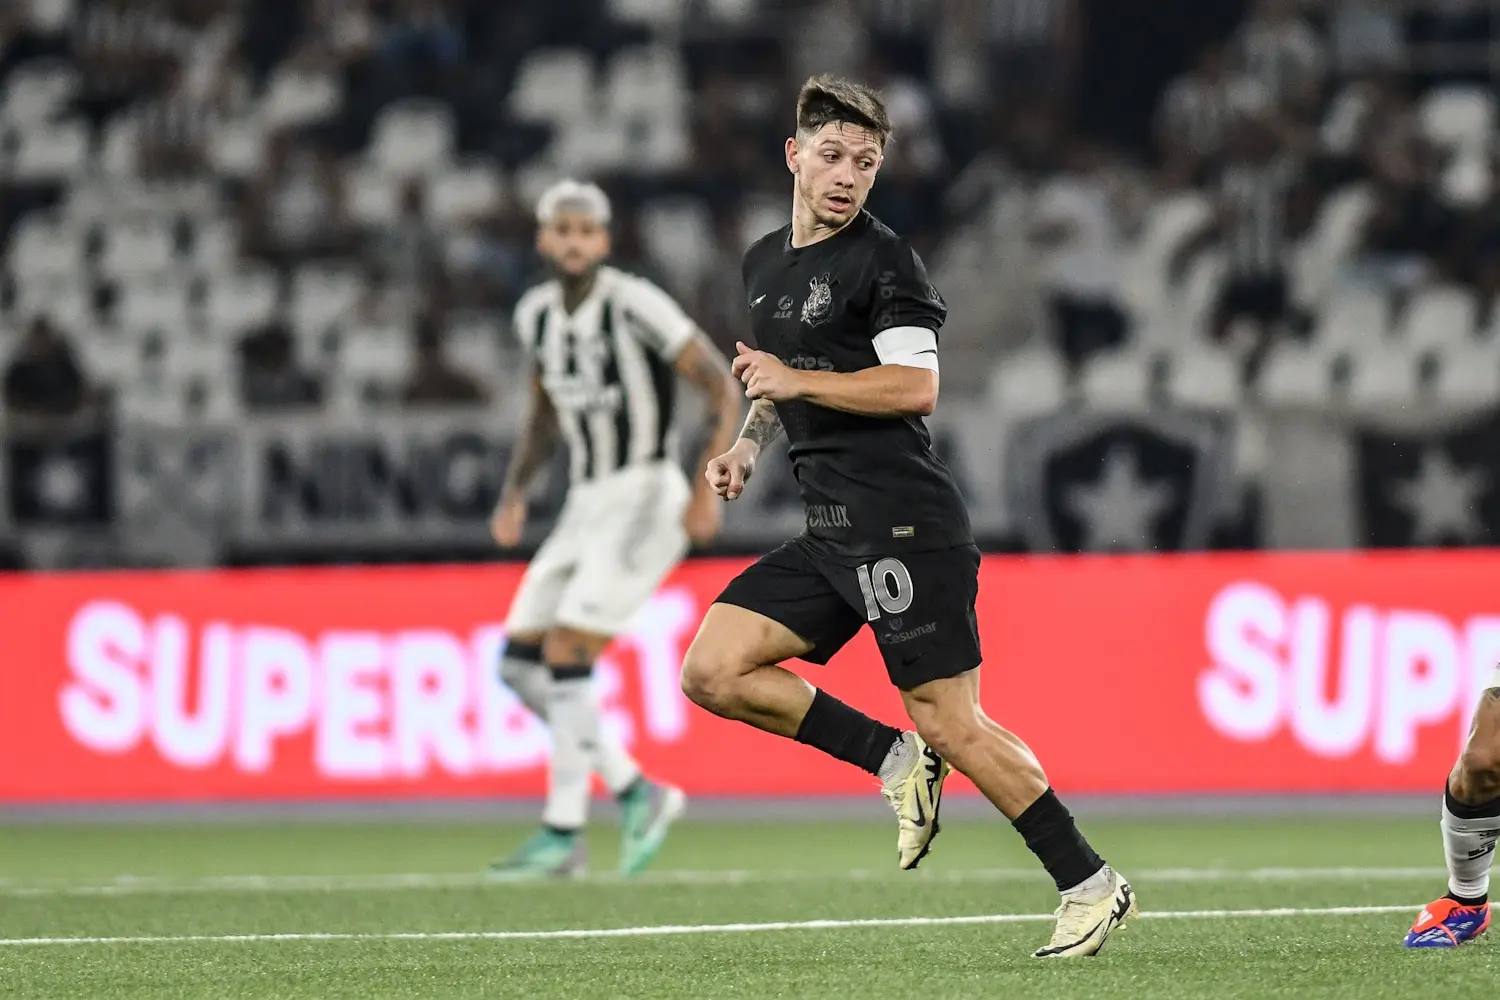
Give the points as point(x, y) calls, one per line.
point(213, 210)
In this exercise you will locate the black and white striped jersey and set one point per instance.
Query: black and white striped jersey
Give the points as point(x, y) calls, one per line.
point(1255, 197)
point(607, 368)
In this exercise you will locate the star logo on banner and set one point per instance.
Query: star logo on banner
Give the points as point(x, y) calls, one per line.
point(1442, 499)
point(62, 485)
point(1119, 510)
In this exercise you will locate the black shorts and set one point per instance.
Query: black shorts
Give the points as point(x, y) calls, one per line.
point(919, 605)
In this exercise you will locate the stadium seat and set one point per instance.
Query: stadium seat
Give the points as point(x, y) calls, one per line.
point(371, 197)
point(1455, 116)
point(760, 217)
point(1335, 234)
point(64, 298)
point(1468, 376)
point(216, 246)
point(1467, 181)
point(412, 138)
point(1383, 378)
point(465, 193)
point(110, 358)
point(321, 296)
point(295, 99)
point(1295, 377)
point(1357, 317)
point(1117, 380)
point(378, 357)
point(52, 152)
point(657, 144)
point(45, 244)
point(1204, 378)
point(1029, 383)
point(37, 92)
point(478, 348)
point(120, 152)
point(155, 305)
point(237, 148)
point(645, 81)
point(52, 17)
point(678, 235)
point(240, 300)
point(142, 247)
point(1195, 303)
point(588, 146)
point(657, 14)
point(1439, 317)
point(554, 85)
point(1169, 221)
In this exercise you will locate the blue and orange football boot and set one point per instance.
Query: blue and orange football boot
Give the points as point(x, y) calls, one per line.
point(1447, 923)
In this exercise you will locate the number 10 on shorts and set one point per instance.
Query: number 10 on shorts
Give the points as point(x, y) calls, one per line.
point(886, 586)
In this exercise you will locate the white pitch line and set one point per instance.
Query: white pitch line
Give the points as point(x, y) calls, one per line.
point(127, 885)
point(672, 930)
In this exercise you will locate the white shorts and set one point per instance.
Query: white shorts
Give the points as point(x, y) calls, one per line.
point(616, 540)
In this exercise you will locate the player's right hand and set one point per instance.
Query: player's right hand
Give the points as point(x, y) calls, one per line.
point(729, 472)
point(506, 523)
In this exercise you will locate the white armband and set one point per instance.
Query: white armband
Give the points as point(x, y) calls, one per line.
point(912, 346)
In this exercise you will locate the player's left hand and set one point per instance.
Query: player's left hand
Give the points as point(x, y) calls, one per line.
point(765, 376)
point(702, 518)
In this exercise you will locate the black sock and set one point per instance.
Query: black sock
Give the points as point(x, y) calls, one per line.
point(1474, 901)
point(560, 831)
point(846, 733)
point(1049, 830)
point(1484, 810)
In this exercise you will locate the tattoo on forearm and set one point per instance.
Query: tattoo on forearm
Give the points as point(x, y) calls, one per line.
point(762, 425)
point(532, 453)
point(702, 365)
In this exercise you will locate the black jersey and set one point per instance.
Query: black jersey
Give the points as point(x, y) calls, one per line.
point(872, 485)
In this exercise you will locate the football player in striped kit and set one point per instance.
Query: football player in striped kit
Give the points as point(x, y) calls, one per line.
point(607, 349)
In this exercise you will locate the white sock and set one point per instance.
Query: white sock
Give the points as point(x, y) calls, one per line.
point(1095, 887)
point(573, 714)
point(613, 763)
point(531, 680)
point(1469, 848)
point(897, 759)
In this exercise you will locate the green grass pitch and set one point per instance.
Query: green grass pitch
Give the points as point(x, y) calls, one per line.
point(395, 910)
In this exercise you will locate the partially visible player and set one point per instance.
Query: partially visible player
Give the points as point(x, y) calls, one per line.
point(846, 322)
point(1470, 821)
point(606, 348)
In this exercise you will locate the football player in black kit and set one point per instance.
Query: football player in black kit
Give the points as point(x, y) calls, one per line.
point(846, 364)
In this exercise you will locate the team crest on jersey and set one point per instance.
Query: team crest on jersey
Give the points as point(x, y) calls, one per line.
point(819, 304)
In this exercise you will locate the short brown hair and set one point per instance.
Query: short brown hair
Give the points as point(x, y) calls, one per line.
point(825, 99)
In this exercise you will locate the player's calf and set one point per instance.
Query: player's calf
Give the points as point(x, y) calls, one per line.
point(1470, 823)
point(1096, 900)
point(523, 671)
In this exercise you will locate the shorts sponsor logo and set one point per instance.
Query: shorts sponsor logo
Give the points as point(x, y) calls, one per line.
point(828, 515)
point(892, 638)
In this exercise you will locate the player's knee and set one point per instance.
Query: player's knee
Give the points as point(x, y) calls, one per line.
point(953, 733)
point(1479, 763)
point(572, 647)
point(521, 652)
point(708, 678)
